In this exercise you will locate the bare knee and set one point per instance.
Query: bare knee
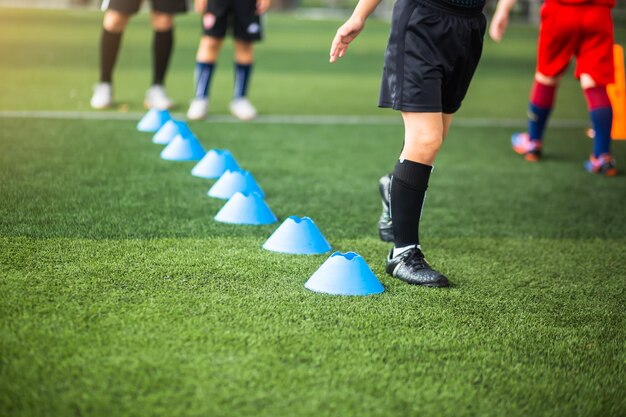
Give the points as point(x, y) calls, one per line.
point(115, 21)
point(244, 52)
point(423, 136)
point(424, 142)
point(208, 49)
point(546, 79)
point(586, 81)
point(162, 22)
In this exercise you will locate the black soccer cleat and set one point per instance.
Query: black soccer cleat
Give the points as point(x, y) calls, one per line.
point(385, 226)
point(410, 266)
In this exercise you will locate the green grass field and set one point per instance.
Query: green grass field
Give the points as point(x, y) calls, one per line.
point(120, 296)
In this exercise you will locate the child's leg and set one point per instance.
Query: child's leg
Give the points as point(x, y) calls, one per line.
point(423, 137)
point(244, 60)
point(113, 27)
point(162, 44)
point(600, 113)
point(206, 58)
point(540, 105)
point(240, 106)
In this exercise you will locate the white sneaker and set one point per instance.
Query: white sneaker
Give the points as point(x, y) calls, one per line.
point(242, 109)
point(157, 99)
point(198, 109)
point(102, 96)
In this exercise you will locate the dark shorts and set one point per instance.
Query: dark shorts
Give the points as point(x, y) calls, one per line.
point(132, 6)
point(241, 14)
point(431, 57)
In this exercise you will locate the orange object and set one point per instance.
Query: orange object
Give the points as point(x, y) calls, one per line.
point(617, 95)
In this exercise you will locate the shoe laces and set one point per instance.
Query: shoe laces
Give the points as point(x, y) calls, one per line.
point(415, 259)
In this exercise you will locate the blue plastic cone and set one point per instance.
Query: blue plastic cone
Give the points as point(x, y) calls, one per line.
point(297, 236)
point(246, 209)
point(344, 274)
point(183, 149)
point(214, 164)
point(153, 120)
point(169, 131)
point(235, 181)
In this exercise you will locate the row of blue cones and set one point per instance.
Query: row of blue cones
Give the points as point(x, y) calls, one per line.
point(341, 274)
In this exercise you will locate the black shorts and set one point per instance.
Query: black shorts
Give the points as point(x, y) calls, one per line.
point(431, 57)
point(132, 6)
point(240, 13)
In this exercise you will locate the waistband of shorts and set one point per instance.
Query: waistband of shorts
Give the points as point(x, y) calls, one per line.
point(448, 6)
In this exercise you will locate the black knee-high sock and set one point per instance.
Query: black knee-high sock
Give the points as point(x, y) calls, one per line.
point(109, 47)
point(408, 190)
point(161, 52)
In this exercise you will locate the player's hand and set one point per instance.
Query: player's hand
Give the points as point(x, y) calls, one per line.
point(497, 28)
point(199, 6)
point(345, 34)
point(262, 6)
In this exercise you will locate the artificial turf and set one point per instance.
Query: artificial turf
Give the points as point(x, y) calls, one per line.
point(119, 295)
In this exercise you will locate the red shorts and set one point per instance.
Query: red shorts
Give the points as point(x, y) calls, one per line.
point(584, 31)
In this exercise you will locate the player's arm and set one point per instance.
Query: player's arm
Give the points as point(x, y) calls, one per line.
point(351, 29)
point(262, 6)
point(500, 20)
point(199, 6)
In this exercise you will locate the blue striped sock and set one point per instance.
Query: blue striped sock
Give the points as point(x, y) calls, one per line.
point(203, 75)
point(242, 78)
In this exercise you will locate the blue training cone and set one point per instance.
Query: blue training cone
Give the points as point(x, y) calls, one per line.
point(183, 149)
point(153, 120)
point(344, 274)
point(214, 164)
point(298, 236)
point(235, 181)
point(169, 131)
point(246, 209)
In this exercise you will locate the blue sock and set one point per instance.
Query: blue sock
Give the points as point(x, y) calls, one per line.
point(537, 118)
point(242, 77)
point(204, 72)
point(601, 120)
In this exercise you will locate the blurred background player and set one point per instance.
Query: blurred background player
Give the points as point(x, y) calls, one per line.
point(244, 15)
point(580, 28)
point(432, 53)
point(116, 17)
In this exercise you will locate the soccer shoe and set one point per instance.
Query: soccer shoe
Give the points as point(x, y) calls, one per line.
point(385, 229)
point(157, 99)
point(198, 109)
point(531, 149)
point(603, 164)
point(242, 109)
point(410, 266)
point(102, 96)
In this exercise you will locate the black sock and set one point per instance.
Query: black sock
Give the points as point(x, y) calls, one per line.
point(161, 52)
point(109, 47)
point(408, 190)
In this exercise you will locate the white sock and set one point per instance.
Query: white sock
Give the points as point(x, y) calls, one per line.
point(398, 251)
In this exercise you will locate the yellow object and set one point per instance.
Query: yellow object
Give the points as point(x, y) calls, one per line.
point(617, 95)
